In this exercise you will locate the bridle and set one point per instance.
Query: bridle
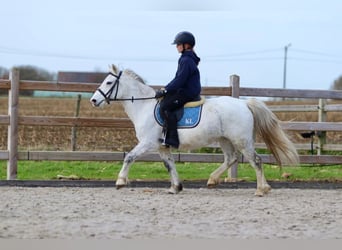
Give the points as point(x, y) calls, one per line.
point(116, 84)
point(110, 91)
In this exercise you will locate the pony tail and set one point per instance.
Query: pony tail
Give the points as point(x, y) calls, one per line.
point(266, 124)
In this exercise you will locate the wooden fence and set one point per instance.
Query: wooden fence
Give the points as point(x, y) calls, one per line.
point(13, 121)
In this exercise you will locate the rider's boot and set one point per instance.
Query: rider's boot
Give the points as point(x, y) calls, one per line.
point(172, 138)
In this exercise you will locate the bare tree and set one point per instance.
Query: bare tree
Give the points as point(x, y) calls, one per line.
point(337, 85)
point(28, 72)
point(4, 74)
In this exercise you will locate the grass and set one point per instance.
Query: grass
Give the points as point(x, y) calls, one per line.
point(52, 170)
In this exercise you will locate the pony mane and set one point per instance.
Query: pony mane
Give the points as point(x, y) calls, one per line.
point(114, 69)
point(135, 75)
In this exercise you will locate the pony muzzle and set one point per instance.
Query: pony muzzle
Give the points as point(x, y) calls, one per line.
point(105, 96)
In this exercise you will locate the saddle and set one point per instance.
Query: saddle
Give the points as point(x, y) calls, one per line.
point(188, 116)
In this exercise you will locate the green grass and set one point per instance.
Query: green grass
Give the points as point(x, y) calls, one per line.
point(50, 170)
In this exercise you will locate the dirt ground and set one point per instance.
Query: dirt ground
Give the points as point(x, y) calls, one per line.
point(151, 213)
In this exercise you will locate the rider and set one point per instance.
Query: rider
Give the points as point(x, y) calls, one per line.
point(185, 86)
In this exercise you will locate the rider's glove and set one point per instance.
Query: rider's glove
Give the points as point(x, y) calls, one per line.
point(160, 93)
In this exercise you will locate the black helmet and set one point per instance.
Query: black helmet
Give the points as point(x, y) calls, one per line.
point(184, 37)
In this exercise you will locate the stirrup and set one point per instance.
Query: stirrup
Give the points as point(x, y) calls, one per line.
point(168, 145)
point(163, 143)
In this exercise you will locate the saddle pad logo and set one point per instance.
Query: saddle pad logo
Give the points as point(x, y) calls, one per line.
point(190, 118)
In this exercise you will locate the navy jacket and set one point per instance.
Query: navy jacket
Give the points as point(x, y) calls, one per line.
point(187, 78)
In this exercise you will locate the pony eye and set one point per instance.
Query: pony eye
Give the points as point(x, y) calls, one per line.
point(109, 82)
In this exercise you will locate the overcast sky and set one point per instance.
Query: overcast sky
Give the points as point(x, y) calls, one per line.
point(233, 37)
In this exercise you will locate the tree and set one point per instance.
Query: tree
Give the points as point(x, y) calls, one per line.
point(33, 73)
point(337, 85)
point(4, 74)
point(28, 72)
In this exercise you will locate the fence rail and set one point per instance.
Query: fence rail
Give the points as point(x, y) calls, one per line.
point(153, 157)
point(13, 120)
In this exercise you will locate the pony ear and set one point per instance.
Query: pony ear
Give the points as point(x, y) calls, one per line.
point(114, 69)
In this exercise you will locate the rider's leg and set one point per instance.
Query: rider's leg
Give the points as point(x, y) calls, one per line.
point(171, 137)
point(168, 106)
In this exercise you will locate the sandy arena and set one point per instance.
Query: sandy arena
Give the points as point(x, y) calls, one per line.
point(151, 213)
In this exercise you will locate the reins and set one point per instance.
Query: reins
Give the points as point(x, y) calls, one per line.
point(110, 92)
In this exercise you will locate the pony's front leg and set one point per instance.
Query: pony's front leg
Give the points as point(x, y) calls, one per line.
point(169, 163)
point(139, 150)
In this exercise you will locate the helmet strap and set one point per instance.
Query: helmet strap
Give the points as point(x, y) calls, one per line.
point(183, 48)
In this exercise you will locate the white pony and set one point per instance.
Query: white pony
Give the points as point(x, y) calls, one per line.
point(231, 122)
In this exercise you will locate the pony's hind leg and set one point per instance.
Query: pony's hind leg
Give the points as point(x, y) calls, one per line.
point(230, 157)
point(262, 186)
point(169, 163)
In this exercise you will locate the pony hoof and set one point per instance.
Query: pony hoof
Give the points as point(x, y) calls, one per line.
point(121, 182)
point(266, 189)
point(211, 186)
point(175, 189)
point(259, 193)
point(119, 186)
point(212, 183)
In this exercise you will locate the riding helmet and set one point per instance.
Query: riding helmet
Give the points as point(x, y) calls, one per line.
point(184, 37)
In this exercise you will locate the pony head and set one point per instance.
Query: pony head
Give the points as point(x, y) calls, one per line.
point(108, 90)
point(121, 86)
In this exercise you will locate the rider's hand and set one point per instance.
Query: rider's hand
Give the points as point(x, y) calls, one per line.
point(160, 93)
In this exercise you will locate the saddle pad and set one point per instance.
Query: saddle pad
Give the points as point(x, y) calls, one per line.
point(195, 103)
point(190, 118)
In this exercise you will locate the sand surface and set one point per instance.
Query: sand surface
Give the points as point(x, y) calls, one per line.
point(151, 213)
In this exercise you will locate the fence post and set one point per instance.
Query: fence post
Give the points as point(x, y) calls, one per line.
point(235, 84)
point(74, 128)
point(234, 81)
point(13, 110)
point(322, 117)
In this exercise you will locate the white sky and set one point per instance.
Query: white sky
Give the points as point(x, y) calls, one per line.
point(233, 37)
